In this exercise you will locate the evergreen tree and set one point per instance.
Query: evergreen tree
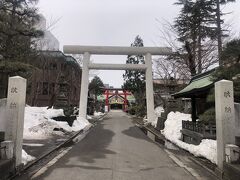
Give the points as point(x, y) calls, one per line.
point(96, 86)
point(219, 29)
point(231, 67)
point(231, 51)
point(195, 25)
point(17, 29)
point(134, 81)
point(17, 33)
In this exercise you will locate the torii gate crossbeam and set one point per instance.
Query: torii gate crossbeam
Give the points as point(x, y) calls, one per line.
point(87, 51)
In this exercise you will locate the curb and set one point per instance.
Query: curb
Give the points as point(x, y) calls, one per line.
point(205, 167)
point(160, 136)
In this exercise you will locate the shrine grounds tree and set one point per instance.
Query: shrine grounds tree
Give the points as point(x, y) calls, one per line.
point(17, 31)
point(134, 81)
point(96, 86)
point(196, 25)
point(231, 66)
point(219, 28)
point(230, 70)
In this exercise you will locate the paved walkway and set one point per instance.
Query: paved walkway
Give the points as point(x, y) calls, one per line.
point(115, 150)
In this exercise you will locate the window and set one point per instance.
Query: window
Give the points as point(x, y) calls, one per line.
point(52, 88)
point(53, 66)
point(63, 67)
point(45, 88)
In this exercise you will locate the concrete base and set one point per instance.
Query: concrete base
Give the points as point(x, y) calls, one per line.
point(6, 168)
point(231, 171)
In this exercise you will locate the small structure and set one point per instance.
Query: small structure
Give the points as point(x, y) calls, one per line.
point(116, 98)
point(197, 90)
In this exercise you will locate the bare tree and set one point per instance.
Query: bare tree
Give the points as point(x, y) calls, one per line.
point(184, 62)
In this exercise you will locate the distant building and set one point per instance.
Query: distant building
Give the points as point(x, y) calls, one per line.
point(167, 87)
point(48, 42)
point(54, 70)
point(163, 91)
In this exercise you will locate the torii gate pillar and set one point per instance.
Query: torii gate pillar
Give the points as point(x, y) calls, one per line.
point(84, 86)
point(149, 87)
point(111, 50)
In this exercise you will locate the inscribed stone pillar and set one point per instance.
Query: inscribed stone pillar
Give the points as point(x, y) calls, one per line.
point(225, 119)
point(15, 114)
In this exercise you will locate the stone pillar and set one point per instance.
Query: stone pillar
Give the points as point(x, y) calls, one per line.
point(225, 119)
point(149, 88)
point(84, 86)
point(15, 114)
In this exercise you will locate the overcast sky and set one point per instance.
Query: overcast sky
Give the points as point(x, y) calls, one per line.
point(114, 23)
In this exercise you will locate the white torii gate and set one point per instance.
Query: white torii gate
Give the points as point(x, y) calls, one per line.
point(87, 51)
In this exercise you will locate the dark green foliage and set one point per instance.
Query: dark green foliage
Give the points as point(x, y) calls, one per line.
point(231, 69)
point(138, 109)
point(96, 86)
point(230, 73)
point(195, 20)
point(134, 81)
point(17, 29)
point(208, 115)
point(231, 51)
point(196, 29)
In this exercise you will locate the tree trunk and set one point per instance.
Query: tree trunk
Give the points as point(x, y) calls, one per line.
point(219, 32)
point(191, 59)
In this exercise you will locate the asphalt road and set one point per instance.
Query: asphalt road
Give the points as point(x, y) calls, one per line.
point(114, 150)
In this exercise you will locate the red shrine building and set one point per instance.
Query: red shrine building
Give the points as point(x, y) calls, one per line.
point(116, 98)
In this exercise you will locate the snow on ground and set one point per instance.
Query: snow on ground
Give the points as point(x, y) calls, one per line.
point(89, 117)
point(26, 158)
point(98, 113)
point(157, 111)
point(39, 125)
point(207, 148)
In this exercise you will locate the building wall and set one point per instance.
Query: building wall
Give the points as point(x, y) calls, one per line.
point(53, 70)
point(48, 42)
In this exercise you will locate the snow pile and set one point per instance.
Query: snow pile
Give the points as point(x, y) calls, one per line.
point(80, 124)
point(26, 158)
point(98, 113)
point(158, 111)
point(207, 148)
point(38, 123)
point(89, 117)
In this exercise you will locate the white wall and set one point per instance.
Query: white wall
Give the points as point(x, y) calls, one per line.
point(49, 41)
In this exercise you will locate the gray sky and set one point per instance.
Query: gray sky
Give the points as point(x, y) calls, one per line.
point(114, 23)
